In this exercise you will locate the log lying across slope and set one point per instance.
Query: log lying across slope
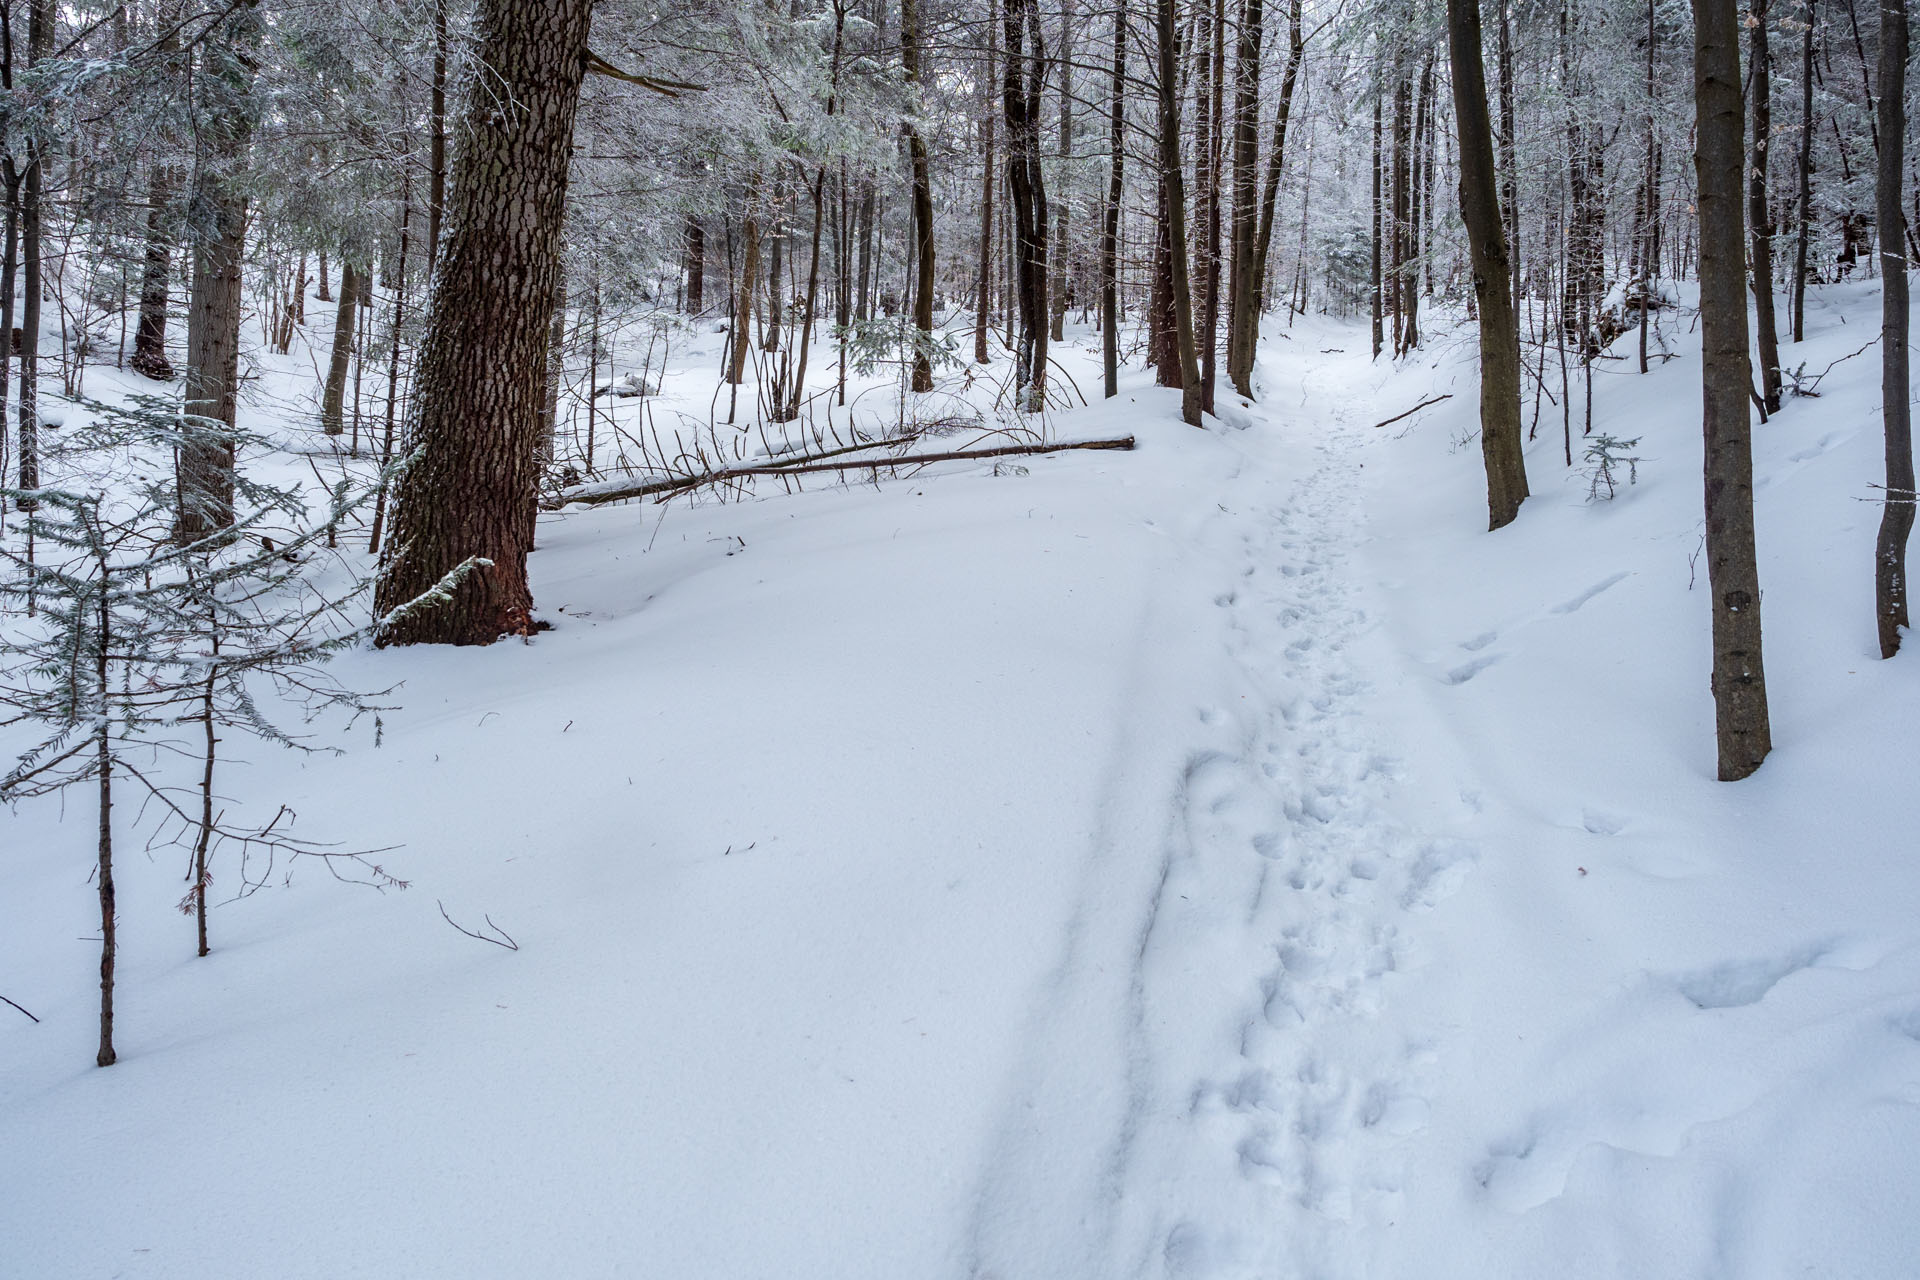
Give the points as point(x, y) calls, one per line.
point(648, 485)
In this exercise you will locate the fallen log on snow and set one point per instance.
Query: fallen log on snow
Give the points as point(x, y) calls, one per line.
point(648, 486)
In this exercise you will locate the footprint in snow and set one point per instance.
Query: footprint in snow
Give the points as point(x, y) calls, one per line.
point(1468, 670)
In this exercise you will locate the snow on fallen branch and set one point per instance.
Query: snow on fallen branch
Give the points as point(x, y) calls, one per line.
point(644, 486)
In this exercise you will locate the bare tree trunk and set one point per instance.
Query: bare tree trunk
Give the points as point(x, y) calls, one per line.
point(1896, 516)
point(1374, 291)
point(150, 332)
point(1509, 162)
point(39, 46)
point(1806, 179)
point(740, 333)
point(1208, 164)
point(696, 300)
point(1021, 85)
point(556, 369)
point(1062, 208)
point(1500, 443)
point(1739, 680)
point(333, 397)
point(1174, 213)
point(922, 207)
point(1243, 281)
point(1110, 222)
point(989, 179)
point(203, 463)
point(103, 869)
point(1759, 212)
point(473, 489)
point(437, 139)
point(1277, 155)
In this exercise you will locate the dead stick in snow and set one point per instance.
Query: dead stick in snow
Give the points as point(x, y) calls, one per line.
point(1417, 408)
point(22, 1008)
point(669, 485)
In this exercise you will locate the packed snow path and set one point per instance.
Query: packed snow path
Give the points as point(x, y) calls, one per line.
point(1253, 1096)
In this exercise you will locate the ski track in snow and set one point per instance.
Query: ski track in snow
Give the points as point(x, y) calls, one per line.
point(1264, 1095)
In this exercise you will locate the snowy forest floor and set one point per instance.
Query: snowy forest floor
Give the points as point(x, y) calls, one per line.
point(1219, 860)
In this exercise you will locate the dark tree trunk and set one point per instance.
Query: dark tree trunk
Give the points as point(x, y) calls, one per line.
point(1739, 679)
point(437, 139)
point(1373, 266)
point(203, 464)
point(1806, 180)
point(989, 179)
point(1110, 220)
point(1163, 339)
point(1276, 158)
point(1896, 517)
point(1243, 280)
point(922, 207)
point(696, 266)
point(1509, 163)
point(333, 397)
point(473, 490)
point(103, 869)
point(1020, 94)
point(1759, 212)
point(1208, 164)
point(1061, 286)
point(1500, 443)
point(39, 45)
point(150, 331)
point(1174, 212)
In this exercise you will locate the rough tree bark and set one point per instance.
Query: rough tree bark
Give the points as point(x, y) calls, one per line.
point(922, 207)
point(1759, 211)
point(1243, 278)
point(1020, 95)
point(334, 394)
point(472, 489)
point(39, 45)
point(1739, 679)
point(989, 179)
point(1500, 444)
point(1896, 516)
point(1174, 212)
point(203, 464)
point(1110, 219)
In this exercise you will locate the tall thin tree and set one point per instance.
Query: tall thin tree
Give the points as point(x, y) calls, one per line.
point(1896, 515)
point(1741, 724)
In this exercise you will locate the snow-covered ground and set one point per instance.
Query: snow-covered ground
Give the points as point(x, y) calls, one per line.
point(1223, 859)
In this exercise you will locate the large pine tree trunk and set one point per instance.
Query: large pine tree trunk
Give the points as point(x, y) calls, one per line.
point(203, 464)
point(1500, 444)
point(150, 331)
point(473, 489)
point(1759, 213)
point(1739, 679)
point(334, 394)
point(1896, 517)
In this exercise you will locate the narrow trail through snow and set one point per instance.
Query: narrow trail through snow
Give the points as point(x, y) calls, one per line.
point(1264, 1098)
